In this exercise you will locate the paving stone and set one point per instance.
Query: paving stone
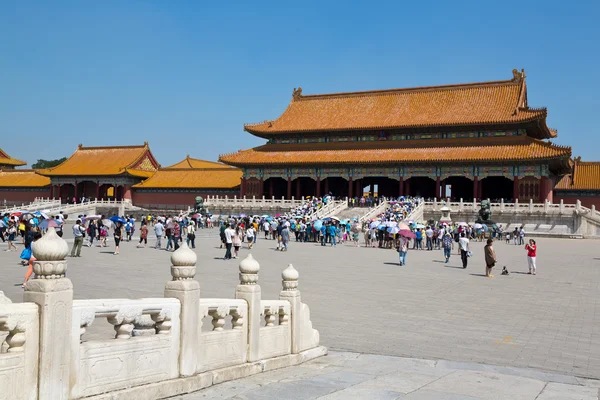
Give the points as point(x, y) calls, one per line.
point(559, 391)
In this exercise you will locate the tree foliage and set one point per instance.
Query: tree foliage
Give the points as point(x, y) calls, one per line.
point(40, 164)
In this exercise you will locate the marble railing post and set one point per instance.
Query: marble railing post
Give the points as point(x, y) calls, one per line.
point(460, 205)
point(187, 290)
point(53, 293)
point(249, 290)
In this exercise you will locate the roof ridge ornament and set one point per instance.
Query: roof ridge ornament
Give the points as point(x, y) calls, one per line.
point(518, 76)
point(297, 93)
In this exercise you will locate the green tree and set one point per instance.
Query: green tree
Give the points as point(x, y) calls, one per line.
point(41, 164)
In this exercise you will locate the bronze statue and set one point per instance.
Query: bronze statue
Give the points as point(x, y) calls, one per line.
point(199, 208)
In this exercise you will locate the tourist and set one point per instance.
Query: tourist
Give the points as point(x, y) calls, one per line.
point(418, 245)
point(236, 240)
point(176, 235)
point(31, 258)
point(78, 235)
point(463, 245)
point(355, 231)
point(143, 234)
point(531, 254)
point(521, 236)
point(127, 229)
point(159, 230)
point(285, 237)
point(515, 236)
point(22, 230)
point(266, 226)
point(507, 237)
point(490, 258)
point(12, 233)
point(448, 245)
point(429, 238)
point(228, 232)
point(118, 235)
point(222, 236)
point(402, 249)
point(191, 234)
point(92, 231)
point(332, 233)
point(3, 228)
point(59, 219)
point(251, 236)
point(103, 235)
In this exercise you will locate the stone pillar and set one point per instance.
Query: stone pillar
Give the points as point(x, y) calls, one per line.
point(249, 290)
point(53, 293)
point(516, 188)
point(298, 189)
point(437, 187)
point(475, 188)
point(545, 189)
point(186, 289)
point(318, 186)
point(126, 192)
point(289, 188)
point(303, 336)
point(401, 187)
point(350, 187)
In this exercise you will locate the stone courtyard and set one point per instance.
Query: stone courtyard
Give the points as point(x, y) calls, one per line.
point(362, 301)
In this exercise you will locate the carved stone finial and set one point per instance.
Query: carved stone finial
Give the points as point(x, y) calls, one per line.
point(4, 299)
point(297, 93)
point(290, 278)
point(249, 268)
point(183, 263)
point(50, 247)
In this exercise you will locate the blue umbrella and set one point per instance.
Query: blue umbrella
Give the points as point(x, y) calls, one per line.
point(48, 223)
point(116, 219)
point(327, 219)
point(382, 226)
point(318, 224)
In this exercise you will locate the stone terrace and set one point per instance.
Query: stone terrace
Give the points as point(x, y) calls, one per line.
point(363, 301)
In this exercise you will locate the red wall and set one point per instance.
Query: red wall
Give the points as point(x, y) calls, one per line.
point(188, 199)
point(25, 196)
point(585, 201)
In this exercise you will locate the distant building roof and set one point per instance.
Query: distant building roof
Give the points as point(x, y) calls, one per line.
point(22, 178)
point(585, 176)
point(5, 159)
point(473, 104)
point(109, 160)
point(189, 162)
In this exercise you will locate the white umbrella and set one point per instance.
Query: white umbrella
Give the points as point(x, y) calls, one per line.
point(477, 226)
point(335, 219)
point(374, 224)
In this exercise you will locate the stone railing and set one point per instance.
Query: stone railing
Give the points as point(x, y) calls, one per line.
point(516, 207)
point(417, 213)
point(37, 205)
point(251, 202)
point(161, 347)
point(329, 210)
point(375, 211)
point(19, 349)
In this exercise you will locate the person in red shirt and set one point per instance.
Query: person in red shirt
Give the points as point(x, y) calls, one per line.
point(531, 254)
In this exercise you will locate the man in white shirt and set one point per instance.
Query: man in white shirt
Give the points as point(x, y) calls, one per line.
point(250, 234)
point(266, 228)
point(229, 232)
point(159, 230)
point(463, 245)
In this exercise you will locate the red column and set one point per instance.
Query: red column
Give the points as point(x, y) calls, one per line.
point(545, 189)
point(97, 190)
point(318, 186)
point(261, 187)
point(297, 188)
point(350, 187)
point(407, 188)
point(401, 187)
point(475, 188)
point(126, 192)
point(443, 189)
point(289, 189)
point(516, 188)
point(549, 190)
point(437, 187)
point(243, 187)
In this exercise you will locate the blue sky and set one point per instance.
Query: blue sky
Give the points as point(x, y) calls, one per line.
point(186, 75)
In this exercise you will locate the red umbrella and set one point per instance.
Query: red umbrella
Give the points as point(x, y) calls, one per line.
point(196, 216)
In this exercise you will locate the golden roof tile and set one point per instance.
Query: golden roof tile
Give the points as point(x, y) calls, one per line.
point(189, 162)
point(585, 176)
point(109, 160)
point(411, 151)
point(485, 103)
point(5, 159)
point(22, 178)
point(193, 178)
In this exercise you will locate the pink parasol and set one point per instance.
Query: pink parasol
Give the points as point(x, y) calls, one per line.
point(407, 233)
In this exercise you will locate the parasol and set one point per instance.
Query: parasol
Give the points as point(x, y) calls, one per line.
point(374, 224)
point(196, 216)
point(108, 223)
point(402, 225)
point(393, 230)
point(355, 228)
point(318, 224)
point(407, 233)
point(335, 219)
point(478, 226)
point(48, 223)
point(116, 219)
point(419, 226)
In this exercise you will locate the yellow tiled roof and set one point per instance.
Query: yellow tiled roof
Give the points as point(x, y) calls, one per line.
point(411, 151)
point(5, 159)
point(22, 178)
point(189, 162)
point(112, 160)
point(496, 102)
point(585, 176)
point(195, 178)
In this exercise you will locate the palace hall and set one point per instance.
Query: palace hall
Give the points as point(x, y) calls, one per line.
point(474, 140)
